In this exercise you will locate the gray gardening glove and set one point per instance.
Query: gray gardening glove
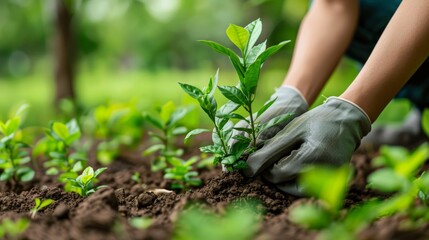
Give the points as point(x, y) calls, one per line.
point(289, 100)
point(327, 134)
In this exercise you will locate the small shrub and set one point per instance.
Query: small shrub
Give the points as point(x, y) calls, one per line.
point(39, 205)
point(13, 155)
point(247, 67)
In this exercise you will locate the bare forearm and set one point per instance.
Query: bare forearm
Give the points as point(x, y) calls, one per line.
point(324, 35)
point(401, 49)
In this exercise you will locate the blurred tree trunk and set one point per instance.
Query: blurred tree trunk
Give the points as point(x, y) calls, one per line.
point(64, 53)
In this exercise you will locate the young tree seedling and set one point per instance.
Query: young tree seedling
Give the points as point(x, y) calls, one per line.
point(60, 148)
point(181, 172)
point(39, 205)
point(247, 67)
point(13, 157)
point(168, 128)
point(84, 183)
point(10, 229)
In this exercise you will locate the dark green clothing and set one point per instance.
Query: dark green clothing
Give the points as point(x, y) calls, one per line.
point(374, 16)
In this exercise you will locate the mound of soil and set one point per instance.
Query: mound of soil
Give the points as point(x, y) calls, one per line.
point(106, 213)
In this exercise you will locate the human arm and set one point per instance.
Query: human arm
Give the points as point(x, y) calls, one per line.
point(324, 35)
point(329, 134)
point(402, 48)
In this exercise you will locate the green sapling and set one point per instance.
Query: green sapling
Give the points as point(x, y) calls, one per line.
point(247, 67)
point(13, 157)
point(84, 183)
point(39, 205)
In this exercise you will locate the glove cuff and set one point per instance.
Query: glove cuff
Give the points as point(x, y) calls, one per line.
point(285, 90)
point(366, 124)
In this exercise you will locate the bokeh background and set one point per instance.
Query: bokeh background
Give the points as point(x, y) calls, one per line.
point(97, 51)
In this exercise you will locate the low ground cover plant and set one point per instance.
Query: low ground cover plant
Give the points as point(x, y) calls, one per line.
point(13, 156)
point(182, 174)
point(84, 183)
point(64, 156)
point(11, 229)
point(39, 205)
point(247, 67)
point(329, 186)
point(168, 128)
point(239, 221)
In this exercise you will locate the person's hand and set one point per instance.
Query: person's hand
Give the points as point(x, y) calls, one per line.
point(289, 100)
point(327, 134)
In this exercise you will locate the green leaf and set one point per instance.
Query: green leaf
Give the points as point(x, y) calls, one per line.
point(209, 105)
point(265, 107)
point(326, 183)
point(234, 94)
point(46, 203)
point(425, 121)
point(414, 161)
point(141, 222)
point(25, 174)
point(239, 165)
point(236, 116)
point(254, 28)
point(235, 60)
point(246, 130)
point(74, 131)
point(238, 35)
point(99, 171)
point(214, 149)
point(252, 77)
point(239, 147)
point(192, 91)
point(386, 180)
point(77, 167)
point(87, 175)
point(277, 120)
point(61, 130)
point(37, 202)
point(153, 149)
point(310, 216)
point(177, 115)
point(166, 111)
point(270, 51)
point(154, 121)
point(195, 132)
point(179, 131)
point(229, 160)
point(52, 171)
point(11, 126)
point(254, 53)
point(228, 108)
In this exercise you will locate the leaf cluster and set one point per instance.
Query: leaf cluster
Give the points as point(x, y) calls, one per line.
point(13, 156)
point(84, 183)
point(238, 222)
point(10, 229)
point(60, 148)
point(168, 125)
point(329, 186)
point(181, 172)
point(248, 67)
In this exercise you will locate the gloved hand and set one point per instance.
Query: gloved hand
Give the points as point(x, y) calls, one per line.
point(327, 134)
point(289, 100)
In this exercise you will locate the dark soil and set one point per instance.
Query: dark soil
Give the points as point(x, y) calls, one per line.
point(106, 213)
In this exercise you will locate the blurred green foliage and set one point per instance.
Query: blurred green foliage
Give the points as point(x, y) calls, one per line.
point(139, 49)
